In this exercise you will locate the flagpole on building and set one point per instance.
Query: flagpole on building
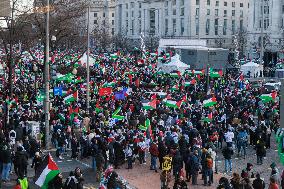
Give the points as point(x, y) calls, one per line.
point(46, 80)
point(88, 62)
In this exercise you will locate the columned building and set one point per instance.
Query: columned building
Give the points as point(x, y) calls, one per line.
point(268, 14)
point(213, 20)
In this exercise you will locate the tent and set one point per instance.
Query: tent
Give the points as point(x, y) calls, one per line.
point(83, 60)
point(175, 65)
point(255, 70)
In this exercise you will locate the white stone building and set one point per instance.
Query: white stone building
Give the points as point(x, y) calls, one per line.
point(273, 14)
point(102, 15)
point(213, 20)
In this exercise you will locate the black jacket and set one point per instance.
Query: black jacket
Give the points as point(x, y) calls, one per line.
point(227, 153)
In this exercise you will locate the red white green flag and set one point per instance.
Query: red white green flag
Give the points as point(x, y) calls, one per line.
point(47, 171)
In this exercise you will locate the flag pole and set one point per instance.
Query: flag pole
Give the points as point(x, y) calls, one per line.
point(88, 62)
point(46, 79)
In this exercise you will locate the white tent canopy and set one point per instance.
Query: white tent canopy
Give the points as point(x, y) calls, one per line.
point(256, 70)
point(83, 60)
point(175, 65)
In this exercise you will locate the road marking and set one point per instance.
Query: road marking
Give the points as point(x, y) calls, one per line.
point(69, 160)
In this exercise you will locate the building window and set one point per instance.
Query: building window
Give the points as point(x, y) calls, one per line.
point(197, 2)
point(139, 14)
point(208, 2)
point(166, 4)
point(132, 13)
point(241, 5)
point(181, 26)
point(241, 25)
point(225, 13)
point(216, 12)
point(132, 5)
point(217, 4)
point(174, 26)
point(182, 11)
point(126, 6)
point(140, 26)
point(241, 13)
point(112, 22)
point(233, 26)
point(174, 2)
point(207, 27)
point(181, 2)
point(126, 14)
point(166, 12)
point(282, 9)
point(216, 25)
point(112, 14)
point(208, 11)
point(132, 27)
point(112, 31)
point(197, 26)
point(225, 3)
point(225, 27)
point(233, 13)
point(95, 21)
point(174, 11)
point(197, 12)
point(233, 4)
point(266, 23)
point(95, 14)
point(266, 9)
point(104, 14)
point(166, 27)
point(140, 5)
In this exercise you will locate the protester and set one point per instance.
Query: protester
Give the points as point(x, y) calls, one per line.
point(258, 183)
point(135, 108)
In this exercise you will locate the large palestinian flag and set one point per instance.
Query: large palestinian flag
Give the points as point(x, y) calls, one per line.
point(268, 97)
point(149, 105)
point(46, 172)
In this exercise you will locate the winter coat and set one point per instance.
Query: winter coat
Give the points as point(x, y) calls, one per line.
point(258, 184)
point(227, 153)
point(154, 150)
point(177, 161)
point(260, 148)
point(194, 164)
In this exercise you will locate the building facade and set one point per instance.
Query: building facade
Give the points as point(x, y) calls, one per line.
point(271, 18)
point(213, 20)
point(102, 14)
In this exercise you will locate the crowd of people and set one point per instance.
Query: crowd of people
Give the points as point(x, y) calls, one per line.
point(136, 108)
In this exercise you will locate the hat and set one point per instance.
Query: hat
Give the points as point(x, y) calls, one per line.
point(37, 154)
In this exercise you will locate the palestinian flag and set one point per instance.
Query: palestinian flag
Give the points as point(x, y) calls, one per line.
point(172, 104)
point(192, 82)
point(210, 102)
point(214, 74)
point(111, 84)
point(149, 105)
point(47, 171)
point(78, 80)
point(209, 118)
point(268, 97)
point(175, 87)
point(71, 98)
point(175, 74)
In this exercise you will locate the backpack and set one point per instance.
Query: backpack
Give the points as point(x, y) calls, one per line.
point(209, 163)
